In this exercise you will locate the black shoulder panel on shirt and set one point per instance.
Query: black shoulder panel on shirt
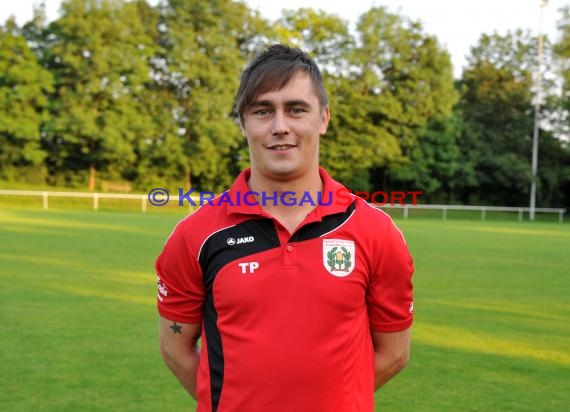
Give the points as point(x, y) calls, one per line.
point(328, 224)
point(235, 242)
point(221, 248)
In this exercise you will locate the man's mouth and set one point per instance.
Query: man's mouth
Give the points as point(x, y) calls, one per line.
point(281, 147)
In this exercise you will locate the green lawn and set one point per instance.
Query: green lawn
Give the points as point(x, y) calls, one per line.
point(78, 324)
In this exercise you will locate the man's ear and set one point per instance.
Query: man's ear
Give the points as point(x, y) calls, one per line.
point(325, 117)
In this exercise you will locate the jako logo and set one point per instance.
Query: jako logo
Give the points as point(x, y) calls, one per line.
point(247, 239)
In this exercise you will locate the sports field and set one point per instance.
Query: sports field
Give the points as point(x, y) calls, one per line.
point(78, 324)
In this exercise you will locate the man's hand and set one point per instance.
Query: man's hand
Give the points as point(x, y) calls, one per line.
point(391, 354)
point(180, 352)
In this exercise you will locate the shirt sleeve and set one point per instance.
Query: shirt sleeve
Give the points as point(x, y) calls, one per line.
point(390, 291)
point(180, 283)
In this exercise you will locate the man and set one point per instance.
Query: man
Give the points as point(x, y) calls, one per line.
point(299, 308)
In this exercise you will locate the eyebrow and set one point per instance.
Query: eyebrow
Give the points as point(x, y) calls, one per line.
point(288, 103)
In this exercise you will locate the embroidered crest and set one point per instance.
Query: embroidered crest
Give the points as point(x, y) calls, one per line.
point(338, 256)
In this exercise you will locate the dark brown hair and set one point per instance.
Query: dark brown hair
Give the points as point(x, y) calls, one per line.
point(271, 70)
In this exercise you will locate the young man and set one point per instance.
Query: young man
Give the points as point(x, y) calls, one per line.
point(303, 307)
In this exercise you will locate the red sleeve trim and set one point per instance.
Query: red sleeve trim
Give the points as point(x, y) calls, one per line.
point(175, 316)
point(392, 326)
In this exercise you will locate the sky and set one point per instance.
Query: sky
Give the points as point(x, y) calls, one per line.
point(457, 24)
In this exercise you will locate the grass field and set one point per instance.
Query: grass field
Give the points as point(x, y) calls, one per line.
point(78, 324)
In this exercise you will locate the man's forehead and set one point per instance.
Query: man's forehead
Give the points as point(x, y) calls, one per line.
point(267, 102)
point(299, 88)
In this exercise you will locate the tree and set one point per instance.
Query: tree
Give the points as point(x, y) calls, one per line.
point(324, 36)
point(99, 52)
point(24, 85)
point(562, 107)
point(204, 46)
point(496, 105)
point(562, 52)
point(434, 163)
point(405, 82)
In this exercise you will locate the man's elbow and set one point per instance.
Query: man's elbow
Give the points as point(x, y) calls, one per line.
point(402, 360)
point(176, 357)
point(167, 354)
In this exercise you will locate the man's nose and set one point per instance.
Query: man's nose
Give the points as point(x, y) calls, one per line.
point(280, 124)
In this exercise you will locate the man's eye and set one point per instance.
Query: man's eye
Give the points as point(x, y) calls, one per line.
point(261, 112)
point(297, 110)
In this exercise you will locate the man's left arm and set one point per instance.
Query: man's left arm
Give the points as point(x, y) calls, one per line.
point(391, 354)
point(390, 303)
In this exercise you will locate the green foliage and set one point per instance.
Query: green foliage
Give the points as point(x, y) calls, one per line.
point(123, 91)
point(99, 53)
point(406, 76)
point(325, 36)
point(433, 163)
point(204, 48)
point(496, 107)
point(399, 84)
point(562, 52)
point(24, 85)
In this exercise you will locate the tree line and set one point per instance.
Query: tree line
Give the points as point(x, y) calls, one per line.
point(123, 91)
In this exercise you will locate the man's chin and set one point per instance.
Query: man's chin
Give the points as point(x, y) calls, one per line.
point(284, 172)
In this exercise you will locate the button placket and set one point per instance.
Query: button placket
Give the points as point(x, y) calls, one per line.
point(289, 258)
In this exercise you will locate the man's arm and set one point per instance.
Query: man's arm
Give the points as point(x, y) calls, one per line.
point(391, 354)
point(180, 352)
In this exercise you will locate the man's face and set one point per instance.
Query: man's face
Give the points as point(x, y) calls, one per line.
point(283, 128)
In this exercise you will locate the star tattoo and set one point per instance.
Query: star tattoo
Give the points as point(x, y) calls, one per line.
point(176, 328)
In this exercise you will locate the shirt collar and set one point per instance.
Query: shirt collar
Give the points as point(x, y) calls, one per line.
point(341, 197)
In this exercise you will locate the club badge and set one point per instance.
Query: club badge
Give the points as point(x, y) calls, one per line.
point(338, 256)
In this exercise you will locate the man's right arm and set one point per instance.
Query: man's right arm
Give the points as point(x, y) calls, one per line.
point(178, 345)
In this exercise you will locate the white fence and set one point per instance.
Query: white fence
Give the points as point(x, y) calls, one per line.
point(143, 199)
point(483, 209)
point(46, 195)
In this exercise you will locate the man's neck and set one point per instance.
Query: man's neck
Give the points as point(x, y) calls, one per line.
point(289, 215)
point(308, 183)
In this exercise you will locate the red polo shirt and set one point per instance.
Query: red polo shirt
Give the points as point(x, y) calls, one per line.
point(286, 318)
